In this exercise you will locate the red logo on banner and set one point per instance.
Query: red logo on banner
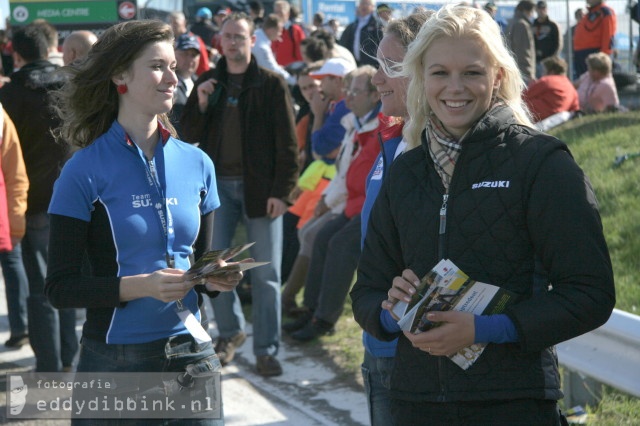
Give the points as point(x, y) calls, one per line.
point(127, 10)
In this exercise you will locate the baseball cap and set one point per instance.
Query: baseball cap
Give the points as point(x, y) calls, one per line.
point(383, 7)
point(223, 11)
point(186, 42)
point(336, 67)
point(204, 12)
point(541, 5)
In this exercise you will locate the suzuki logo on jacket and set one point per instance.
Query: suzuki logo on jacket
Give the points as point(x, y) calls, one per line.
point(492, 184)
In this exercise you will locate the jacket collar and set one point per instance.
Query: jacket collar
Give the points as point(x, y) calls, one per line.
point(122, 137)
point(493, 123)
point(253, 77)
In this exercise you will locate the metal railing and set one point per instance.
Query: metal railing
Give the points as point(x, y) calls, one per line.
point(609, 354)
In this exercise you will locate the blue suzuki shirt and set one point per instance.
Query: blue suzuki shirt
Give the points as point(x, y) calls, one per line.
point(153, 209)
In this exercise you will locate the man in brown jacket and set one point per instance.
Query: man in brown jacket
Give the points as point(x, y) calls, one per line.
point(242, 116)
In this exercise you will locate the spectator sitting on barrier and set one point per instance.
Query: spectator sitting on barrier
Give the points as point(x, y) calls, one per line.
point(323, 144)
point(596, 88)
point(553, 92)
point(336, 249)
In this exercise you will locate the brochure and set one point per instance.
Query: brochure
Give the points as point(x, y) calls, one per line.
point(207, 266)
point(446, 288)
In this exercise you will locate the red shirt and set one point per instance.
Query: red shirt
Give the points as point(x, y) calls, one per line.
point(550, 95)
point(288, 50)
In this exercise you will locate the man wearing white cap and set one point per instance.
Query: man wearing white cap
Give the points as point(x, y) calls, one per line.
point(328, 109)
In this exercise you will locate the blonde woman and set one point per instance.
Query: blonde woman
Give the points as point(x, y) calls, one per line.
point(481, 188)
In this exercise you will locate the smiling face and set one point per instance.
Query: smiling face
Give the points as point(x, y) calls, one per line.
point(393, 90)
point(360, 100)
point(459, 82)
point(150, 80)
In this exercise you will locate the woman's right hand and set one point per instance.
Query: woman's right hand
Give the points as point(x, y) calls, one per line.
point(166, 285)
point(402, 288)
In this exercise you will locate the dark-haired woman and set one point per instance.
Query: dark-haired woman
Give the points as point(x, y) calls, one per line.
point(136, 201)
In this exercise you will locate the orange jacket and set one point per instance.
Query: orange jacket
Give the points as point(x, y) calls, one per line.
point(14, 176)
point(596, 29)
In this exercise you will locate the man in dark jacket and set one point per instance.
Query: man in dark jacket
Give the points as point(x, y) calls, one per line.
point(363, 35)
point(51, 332)
point(242, 116)
point(547, 37)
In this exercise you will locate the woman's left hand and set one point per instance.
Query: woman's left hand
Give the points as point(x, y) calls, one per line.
point(456, 331)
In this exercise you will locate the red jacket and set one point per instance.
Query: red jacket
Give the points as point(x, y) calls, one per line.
point(365, 155)
point(288, 50)
point(549, 95)
point(596, 29)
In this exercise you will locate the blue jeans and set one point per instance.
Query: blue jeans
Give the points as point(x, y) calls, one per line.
point(16, 289)
point(376, 373)
point(265, 280)
point(172, 354)
point(52, 333)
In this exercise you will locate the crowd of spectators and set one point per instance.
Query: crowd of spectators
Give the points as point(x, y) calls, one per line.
point(292, 117)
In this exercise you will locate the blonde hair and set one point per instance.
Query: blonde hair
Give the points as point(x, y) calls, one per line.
point(600, 62)
point(458, 22)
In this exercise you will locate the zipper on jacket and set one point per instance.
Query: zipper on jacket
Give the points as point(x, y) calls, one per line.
point(443, 224)
point(441, 253)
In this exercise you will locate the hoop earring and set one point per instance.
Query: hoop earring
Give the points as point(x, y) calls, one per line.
point(122, 88)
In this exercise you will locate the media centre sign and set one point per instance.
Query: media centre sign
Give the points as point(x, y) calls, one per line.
point(70, 12)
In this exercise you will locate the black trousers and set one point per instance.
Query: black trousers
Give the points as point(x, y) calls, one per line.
point(519, 412)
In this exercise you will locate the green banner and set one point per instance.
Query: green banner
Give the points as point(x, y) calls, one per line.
point(64, 12)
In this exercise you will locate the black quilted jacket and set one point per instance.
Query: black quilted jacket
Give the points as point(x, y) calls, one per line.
point(520, 214)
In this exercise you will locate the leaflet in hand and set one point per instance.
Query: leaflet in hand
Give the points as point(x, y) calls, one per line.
point(207, 266)
point(446, 288)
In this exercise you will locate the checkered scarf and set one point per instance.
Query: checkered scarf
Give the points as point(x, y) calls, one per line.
point(444, 149)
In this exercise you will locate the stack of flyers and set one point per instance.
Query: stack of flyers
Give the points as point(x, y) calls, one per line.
point(446, 288)
point(208, 265)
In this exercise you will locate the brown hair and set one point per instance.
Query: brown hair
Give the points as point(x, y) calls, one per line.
point(88, 102)
point(555, 65)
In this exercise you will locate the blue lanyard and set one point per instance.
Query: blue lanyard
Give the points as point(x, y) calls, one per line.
point(154, 170)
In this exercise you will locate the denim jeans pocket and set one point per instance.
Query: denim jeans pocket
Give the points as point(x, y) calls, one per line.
point(200, 385)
